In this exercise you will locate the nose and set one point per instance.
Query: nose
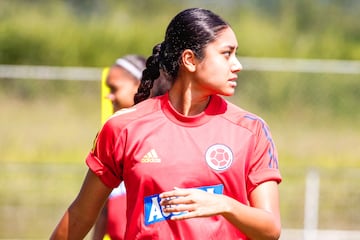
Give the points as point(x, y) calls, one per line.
point(237, 66)
point(111, 97)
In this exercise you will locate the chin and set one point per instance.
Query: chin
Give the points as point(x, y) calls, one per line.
point(227, 93)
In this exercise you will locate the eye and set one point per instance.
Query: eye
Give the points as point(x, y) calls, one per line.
point(112, 89)
point(227, 53)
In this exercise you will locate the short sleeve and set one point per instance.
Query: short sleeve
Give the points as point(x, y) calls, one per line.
point(103, 160)
point(263, 164)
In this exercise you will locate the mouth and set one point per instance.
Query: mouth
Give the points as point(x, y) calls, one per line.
point(232, 82)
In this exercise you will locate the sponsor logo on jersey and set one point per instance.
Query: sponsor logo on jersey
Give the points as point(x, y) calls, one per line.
point(151, 157)
point(154, 211)
point(219, 157)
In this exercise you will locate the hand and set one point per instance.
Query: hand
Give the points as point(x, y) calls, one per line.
point(191, 203)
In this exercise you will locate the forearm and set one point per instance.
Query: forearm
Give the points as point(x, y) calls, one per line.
point(101, 224)
point(260, 220)
point(73, 225)
point(83, 212)
point(253, 222)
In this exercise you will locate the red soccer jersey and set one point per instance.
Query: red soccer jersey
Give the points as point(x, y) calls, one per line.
point(116, 213)
point(116, 223)
point(153, 148)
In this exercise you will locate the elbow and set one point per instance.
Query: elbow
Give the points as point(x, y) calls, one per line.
point(275, 232)
point(274, 229)
point(270, 235)
point(276, 235)
point(271, 232)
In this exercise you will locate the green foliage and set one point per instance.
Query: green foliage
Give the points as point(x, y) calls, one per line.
point(308, 96)
point(93, 32)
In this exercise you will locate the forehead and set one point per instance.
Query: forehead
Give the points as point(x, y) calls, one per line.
point(226, 38)
point(119, 75)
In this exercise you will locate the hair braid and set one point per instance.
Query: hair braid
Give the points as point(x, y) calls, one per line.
point(150, 74)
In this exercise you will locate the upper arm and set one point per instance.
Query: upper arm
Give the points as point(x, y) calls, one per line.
point(266, 197)
point(93, 194)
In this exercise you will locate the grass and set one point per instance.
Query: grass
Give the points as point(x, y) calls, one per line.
point(44, 141)
point(35, 197)
point(45, 137)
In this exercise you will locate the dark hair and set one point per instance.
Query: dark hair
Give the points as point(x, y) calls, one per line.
point(192, 29)
point(160, 86)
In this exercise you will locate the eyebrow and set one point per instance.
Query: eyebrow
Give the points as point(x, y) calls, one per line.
point(232, 47)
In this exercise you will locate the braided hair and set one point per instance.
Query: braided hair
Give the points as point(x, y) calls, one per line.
point(193, 29)
point(149, 75)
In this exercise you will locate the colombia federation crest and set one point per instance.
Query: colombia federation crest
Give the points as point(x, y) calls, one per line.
point(219, 157)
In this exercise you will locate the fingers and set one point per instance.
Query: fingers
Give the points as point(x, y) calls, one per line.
point(178, 202)
point(180, 208)
point(184, 203)
point(177, 192)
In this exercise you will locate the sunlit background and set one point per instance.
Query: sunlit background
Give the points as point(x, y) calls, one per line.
point(301, 74)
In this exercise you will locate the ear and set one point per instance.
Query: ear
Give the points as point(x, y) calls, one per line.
point(189, 60)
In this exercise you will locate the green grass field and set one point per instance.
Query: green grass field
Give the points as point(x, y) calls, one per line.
point(45, 137)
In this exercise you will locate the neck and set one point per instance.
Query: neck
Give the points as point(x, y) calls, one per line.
point(187, 103)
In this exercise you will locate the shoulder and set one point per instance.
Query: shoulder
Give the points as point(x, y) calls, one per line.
point(243, 118)
point(127, 116)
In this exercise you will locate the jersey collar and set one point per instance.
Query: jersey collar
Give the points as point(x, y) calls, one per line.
point(216, 106)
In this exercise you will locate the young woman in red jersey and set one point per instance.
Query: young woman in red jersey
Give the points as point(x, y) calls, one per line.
point(194, 165)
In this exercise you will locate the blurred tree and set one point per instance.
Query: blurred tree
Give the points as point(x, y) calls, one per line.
point(90, 32)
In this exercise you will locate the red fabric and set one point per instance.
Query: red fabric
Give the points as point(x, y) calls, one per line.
point(117, 217)
point(153, 149)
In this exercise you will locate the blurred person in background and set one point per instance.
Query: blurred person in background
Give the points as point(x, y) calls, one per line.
point(123, 80)
point(195, 165)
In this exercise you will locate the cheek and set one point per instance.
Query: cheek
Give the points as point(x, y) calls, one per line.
point(214, 73)
point(215, 67)
point(127, 95)
point(207, 70)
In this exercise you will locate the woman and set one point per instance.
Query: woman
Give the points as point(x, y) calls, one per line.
point(195, 166)
point(123, 81)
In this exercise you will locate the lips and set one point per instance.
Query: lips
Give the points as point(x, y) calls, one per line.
point(233, 82)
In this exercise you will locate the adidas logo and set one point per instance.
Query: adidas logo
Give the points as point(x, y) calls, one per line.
point(151, 157)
